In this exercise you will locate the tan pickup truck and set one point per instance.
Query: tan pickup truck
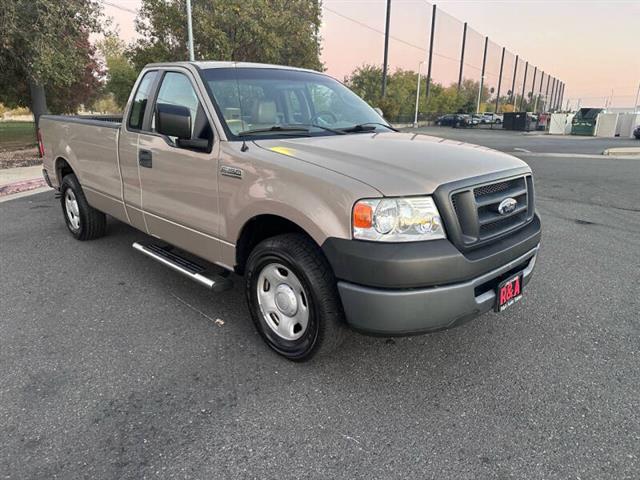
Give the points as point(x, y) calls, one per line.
point(288, 178)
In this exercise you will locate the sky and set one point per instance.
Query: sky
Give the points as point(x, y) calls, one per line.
point(591, 45)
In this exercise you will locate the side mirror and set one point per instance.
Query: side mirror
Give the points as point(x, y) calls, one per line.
point(173, 121)
point(378, 110)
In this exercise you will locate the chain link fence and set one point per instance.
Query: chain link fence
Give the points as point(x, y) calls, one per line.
point(436, 64)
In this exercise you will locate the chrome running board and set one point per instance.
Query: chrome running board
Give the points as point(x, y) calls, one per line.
point(165, 256)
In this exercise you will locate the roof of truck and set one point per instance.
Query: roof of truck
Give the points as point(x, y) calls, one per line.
point(219, 64)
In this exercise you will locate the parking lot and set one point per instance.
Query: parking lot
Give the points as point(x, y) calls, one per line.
point(113, 366)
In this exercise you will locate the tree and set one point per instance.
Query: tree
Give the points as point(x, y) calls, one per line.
point(121, 74)
point(84, 89)
point(399, 101)
point(44, 46)
point(270, 31)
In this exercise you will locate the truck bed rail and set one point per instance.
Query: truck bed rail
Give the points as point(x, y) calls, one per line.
point(109, 121)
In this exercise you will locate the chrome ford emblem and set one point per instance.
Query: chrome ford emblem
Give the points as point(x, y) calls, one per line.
point(507, 205)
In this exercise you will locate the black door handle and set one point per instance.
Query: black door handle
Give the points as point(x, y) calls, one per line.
point(145, 158)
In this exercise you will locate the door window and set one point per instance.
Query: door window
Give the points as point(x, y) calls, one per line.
point(176, 89)
point(139, 105)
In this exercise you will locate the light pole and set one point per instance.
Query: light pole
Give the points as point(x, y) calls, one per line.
point(635, 107)
point(190, 31)
point(415, 116)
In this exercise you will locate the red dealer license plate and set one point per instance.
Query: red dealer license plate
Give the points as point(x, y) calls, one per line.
point(508, 292)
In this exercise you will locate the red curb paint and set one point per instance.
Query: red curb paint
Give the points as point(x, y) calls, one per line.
point(21, 186)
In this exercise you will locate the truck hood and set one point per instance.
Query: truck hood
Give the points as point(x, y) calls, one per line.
point(396, 163)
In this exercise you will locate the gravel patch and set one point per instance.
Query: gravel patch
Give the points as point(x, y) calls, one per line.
point(19, 158)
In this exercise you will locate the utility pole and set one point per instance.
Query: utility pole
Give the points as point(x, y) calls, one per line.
point(190, 31)
point(415, 116)
point(500, 80)
point(533, 86)
point(484, 64)
point(513, 82)
point(464, 41)
point(433, 31)
point(524, 84)
point(386, 49)
point(535, 107)
point(546, 95)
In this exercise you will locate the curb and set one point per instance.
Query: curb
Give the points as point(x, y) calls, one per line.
point(623, 151)
point(21, 186)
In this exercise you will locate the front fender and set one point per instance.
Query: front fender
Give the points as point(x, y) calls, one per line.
point(316, 199)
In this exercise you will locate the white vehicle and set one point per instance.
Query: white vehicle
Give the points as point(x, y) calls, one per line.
point(491, 117)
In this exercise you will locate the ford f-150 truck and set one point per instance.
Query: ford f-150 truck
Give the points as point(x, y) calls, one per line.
point(287, 178)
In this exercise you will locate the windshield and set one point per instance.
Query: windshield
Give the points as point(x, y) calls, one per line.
point(259, 102)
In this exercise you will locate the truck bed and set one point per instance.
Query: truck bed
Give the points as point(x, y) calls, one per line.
point(90, 145)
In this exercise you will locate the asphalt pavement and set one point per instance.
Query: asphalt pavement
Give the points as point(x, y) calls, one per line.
point(529, 142)
point(112, 366)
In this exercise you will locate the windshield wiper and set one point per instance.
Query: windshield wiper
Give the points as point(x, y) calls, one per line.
point(274, 129)
point(327, 129)
point(367, 127)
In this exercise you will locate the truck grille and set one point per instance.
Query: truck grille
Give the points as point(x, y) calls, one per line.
point(477, 209)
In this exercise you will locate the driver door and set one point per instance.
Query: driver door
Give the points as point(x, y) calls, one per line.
point(179, 185)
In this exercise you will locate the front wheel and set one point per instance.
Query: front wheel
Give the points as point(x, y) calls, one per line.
point(293, 298)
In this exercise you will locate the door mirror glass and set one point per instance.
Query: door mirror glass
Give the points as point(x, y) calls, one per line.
point(173, 121)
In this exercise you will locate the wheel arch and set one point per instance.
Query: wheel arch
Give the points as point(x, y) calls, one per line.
point(62, 167)
point(259, 228)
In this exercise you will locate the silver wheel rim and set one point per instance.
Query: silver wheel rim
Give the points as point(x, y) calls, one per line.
point(283, 301)
point(71, 208)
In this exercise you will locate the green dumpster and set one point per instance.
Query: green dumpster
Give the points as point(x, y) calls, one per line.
point(584, 122)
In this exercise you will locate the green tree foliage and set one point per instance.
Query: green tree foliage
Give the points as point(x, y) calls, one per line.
point(270, 31)
point(121, 74)
point(399, 101)
point(45, 43)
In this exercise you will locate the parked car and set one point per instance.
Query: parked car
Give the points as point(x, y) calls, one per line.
point(456, 120)
point(636, 132)
point(447, 120)
point(491, 117)
point(286, 177)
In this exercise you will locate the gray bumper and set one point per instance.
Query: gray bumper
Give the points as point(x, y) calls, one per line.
point(407, 311)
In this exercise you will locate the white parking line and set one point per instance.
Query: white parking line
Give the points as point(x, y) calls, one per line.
point(577, 155)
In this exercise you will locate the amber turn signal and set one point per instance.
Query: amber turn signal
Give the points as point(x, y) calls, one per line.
point(362, 215)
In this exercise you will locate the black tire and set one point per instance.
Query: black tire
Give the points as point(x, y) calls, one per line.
point(92, 223)
point(326, 326)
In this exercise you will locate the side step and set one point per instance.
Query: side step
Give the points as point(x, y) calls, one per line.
point(164, 255)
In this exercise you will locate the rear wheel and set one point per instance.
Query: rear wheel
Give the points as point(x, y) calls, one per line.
point(292, 297)
point(83, 221)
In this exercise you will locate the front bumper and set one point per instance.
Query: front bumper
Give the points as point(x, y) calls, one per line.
point(417, 310)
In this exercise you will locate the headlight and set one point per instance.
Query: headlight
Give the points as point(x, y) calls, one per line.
point(409, 219)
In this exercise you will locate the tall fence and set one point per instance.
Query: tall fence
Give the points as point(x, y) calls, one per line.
point(453, 66)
